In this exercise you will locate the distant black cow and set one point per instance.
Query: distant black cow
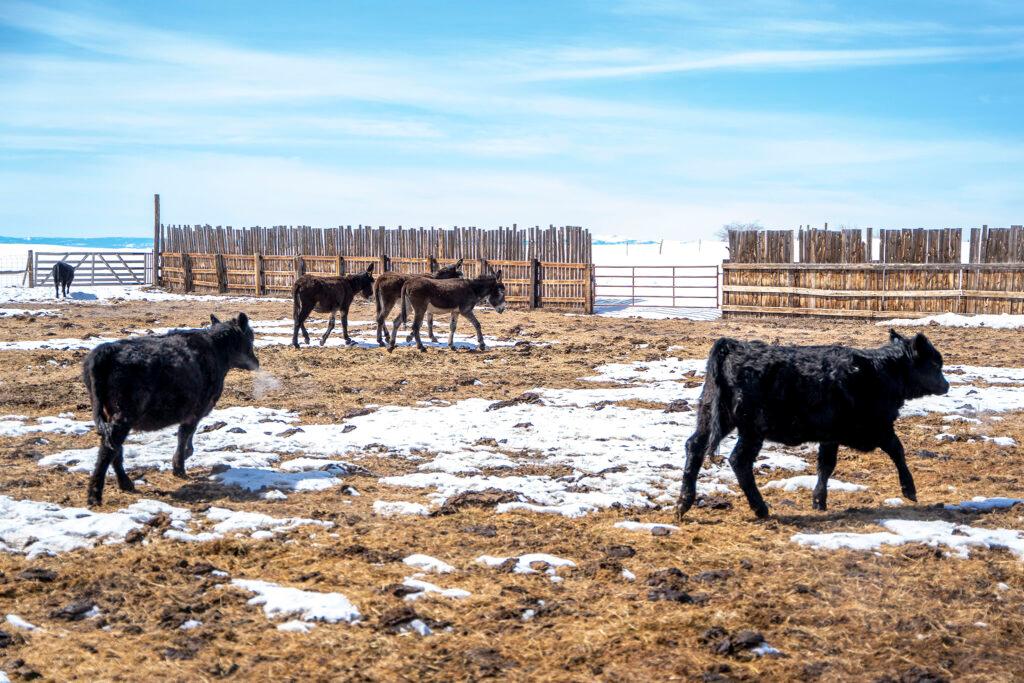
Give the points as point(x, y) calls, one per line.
point(148, 383)
point(832, 395)
point(63, 274)
point(325, 294)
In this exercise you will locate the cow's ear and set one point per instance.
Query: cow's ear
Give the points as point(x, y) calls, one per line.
point(922, 347)
point(895, 336)
point(214, 320)
point(369, 268)
point(243, 321)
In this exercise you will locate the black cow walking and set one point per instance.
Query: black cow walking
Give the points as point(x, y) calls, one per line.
point(148, 383)
point(832, 395)
point(63, 275)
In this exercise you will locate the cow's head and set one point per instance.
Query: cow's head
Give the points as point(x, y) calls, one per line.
point(237, 338)
point(925, 375)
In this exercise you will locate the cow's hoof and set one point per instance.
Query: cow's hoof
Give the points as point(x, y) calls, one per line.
point(180, 474)
point(481, 348)
point(94, 502)
point(127, 488)
point(422, 348)
point(451, 346)
point(683, 506)
point(910, 495)
point(390, 349)
point(819, 505)
point(761, 513)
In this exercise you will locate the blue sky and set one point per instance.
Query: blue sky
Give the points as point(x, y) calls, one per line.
point(644, 118)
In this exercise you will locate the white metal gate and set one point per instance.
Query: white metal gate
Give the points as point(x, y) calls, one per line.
point(97, 268)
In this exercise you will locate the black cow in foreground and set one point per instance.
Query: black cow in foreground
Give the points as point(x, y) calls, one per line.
point(832, 395)
point(148, 383)
point(63, 275)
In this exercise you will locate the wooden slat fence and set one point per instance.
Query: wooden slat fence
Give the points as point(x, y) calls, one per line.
point(567, 244)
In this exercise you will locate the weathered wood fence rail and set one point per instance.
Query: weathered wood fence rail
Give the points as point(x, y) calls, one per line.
point(264, 261)
point(917, 273)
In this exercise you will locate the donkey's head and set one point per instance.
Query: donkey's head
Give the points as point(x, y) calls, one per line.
point(363, 282)
point(450, 271)
point(496, 293)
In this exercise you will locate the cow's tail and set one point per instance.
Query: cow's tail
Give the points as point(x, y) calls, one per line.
point(715, 395)
point(295, 301)
point(96, 374)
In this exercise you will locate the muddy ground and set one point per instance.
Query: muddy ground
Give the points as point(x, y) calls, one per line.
point(908, 613)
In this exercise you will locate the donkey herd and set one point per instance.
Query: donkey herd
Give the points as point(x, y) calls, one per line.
point(830, 395)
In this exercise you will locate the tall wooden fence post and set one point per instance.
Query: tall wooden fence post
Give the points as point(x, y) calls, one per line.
point(482, 265)
point(300, 266)
point(186, 272)
point(257, 273)
point(534, 282)
point(432, 263)
point(222, 273)
point(588, 289)
point(338, 266)
point(382, 264)
point(156, 240)
point(30, 269)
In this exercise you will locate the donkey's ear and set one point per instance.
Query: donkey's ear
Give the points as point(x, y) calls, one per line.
point(895, 336)
point(458, 264)
point(497, 276)
point(369, 268)
point(214, 320)
point(243, 321)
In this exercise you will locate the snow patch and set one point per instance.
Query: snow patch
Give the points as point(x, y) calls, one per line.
point(809, 481)
point(281, 601)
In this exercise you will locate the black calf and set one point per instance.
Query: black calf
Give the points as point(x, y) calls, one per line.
point(148, 383)
point(832, 395)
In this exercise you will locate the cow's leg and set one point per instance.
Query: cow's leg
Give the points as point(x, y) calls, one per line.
point(827, 453)
point(742, 461)
point(56, 289)
point(110, 445)
point(893, 447)
point(184, 450)
point(471, 317)
point(330, 328)
point(300, 324)
point(417, 322)
point(703, 439)
point(451, 330)
point(124, 482)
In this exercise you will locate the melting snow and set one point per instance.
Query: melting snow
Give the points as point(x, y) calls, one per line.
point(281, 601)
point(393, 508)
point(982, 504)
point(523, 562)
point(959, 538)
point(1000, 321)
point(38, 313)
point(644, 526)
point(809, 482)
point(429, 564)
point(425, 588)
point(17, 622)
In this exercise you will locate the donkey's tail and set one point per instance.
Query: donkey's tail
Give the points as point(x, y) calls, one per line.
point(378, 298)
point(404, 315)
point(715, 395)
point(95, 375)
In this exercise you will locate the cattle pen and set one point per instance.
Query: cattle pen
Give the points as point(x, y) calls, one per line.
point(541, 267)
point(914, 273)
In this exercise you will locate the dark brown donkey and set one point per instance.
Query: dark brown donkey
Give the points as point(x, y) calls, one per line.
point(448, 296)
point(327, 295)
point(387, 289)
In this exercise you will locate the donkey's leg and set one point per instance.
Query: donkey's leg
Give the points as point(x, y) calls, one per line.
point(430, 326)
point(344, 326)
point(330, 328)
point(184, 450)
point(383, 339)
point(417, 323)
point(451, 330)
point(471, 317)
point(742, 461)
point(894, 449)
point(394, 332)
point(110, 443)
point(827, 453)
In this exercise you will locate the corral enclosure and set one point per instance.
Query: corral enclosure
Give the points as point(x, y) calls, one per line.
point(916, 272)
point(541, 268)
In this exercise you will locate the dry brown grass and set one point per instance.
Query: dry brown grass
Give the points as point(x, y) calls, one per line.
point(836, 616)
